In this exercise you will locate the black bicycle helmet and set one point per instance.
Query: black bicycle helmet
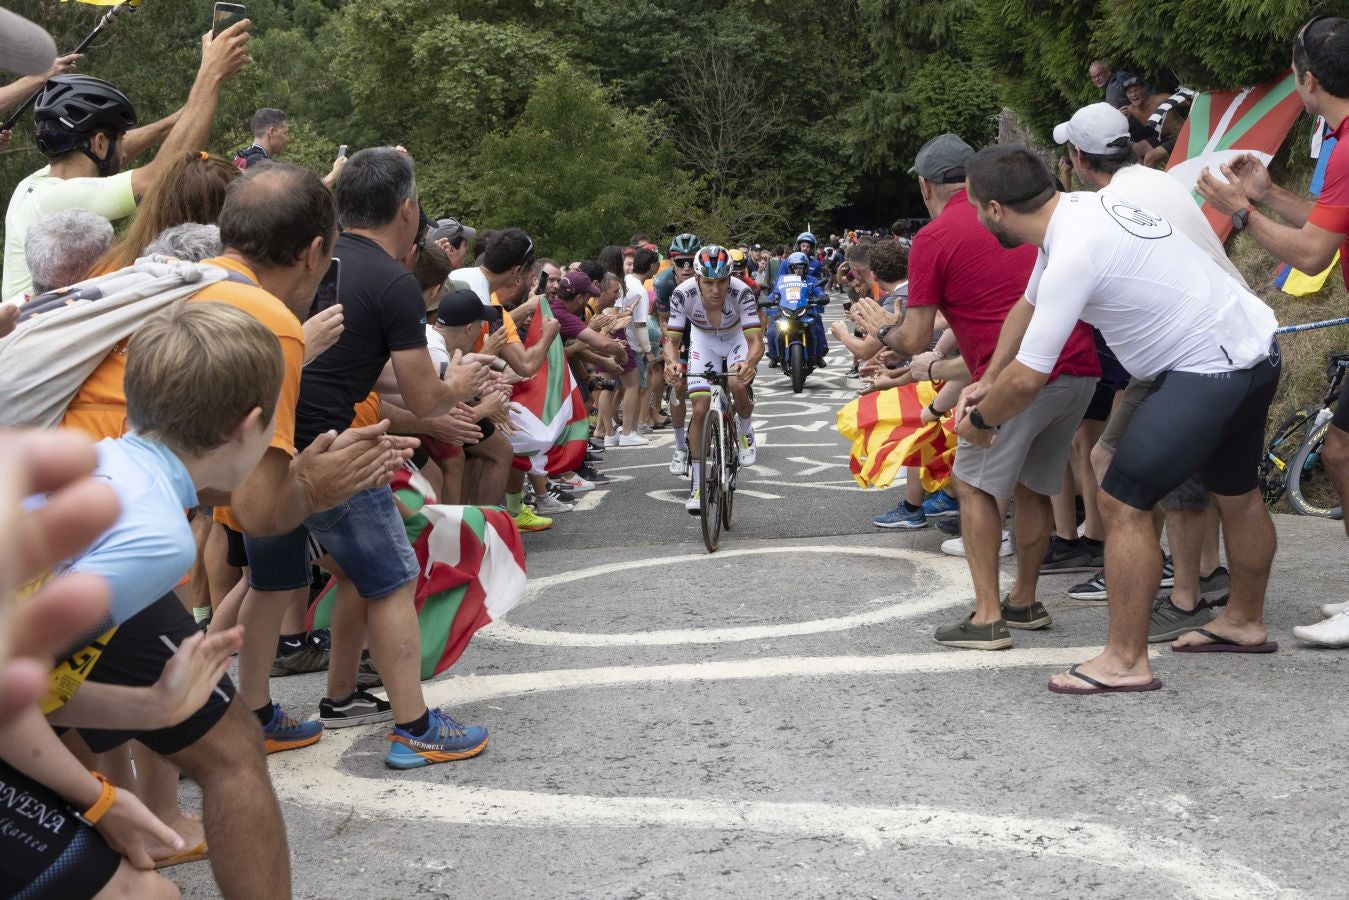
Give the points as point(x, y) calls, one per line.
point(72, 108)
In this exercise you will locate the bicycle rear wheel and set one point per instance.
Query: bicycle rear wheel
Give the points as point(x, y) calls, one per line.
point(1310, 489)
point(713, 444)
point(1279, 453)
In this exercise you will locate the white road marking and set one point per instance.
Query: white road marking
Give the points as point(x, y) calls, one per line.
point(811, 428)
point(811, 409)
point(816, 467)
point(589, 500)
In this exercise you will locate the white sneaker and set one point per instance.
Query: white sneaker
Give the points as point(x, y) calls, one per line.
point(749, 450)
point(1333, 632)
point(575, 483)
point(548, 505)
point(693, 505)
point(1331, 610)
point(679, 463)
point(632, 440)
point(610, 440)
point(956, 546)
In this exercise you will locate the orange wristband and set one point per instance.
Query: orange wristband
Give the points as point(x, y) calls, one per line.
point(103, 803)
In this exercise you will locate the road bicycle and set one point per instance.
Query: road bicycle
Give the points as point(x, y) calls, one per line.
point(1292, 463)
point(721, 460)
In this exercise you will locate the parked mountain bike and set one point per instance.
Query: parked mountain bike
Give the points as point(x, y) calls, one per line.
point(721, 460)
point(1292, 462)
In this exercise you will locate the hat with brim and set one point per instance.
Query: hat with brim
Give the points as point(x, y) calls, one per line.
point(943, 159)
point(574, 283)
point(459, 307)
point(451, 229)
point(1099, 129)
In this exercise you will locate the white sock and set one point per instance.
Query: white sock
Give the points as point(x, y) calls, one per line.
point(746, 425)
point(696, 475)
point(681, 440)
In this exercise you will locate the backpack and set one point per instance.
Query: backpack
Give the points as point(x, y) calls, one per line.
point(63, 335)
point(248, 156)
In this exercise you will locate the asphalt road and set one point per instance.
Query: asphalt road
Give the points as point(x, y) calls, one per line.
point(774, 720)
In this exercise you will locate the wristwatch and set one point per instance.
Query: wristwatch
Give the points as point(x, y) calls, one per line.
point(977, 420)
point(882, 332)
point(1240, 217)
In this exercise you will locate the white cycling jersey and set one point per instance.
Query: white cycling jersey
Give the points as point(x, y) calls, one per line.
point(1161, 303)
point(739, 309)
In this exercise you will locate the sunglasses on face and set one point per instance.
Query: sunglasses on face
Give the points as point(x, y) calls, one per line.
point(683, 263)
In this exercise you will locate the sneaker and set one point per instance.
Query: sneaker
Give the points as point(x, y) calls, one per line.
point(941, 505)
point(1214, 588)
point(285, 732)
point(361, 708)
point(1170, 621)
point(956, 546)
point(367, 676)
point(549, 505)
point(595, 447)
point(610, 440)
point(527, 520)
point(555, 489)
point(575, 483)
point(633, 440)
point(1095, 548)
point(693, 505)
point(852, 373)
point(1168, 572)
point(949, 526)
point(1028, 618)
point(679, 463)
point(965, 634)
point(311, 656)
point(591, 474)
point(899, 517)
point(749, 450)
point(1330, 610)
point(1066, 556)
point(444, 741)
point(593, 457)
point(1333, 632)
point(1091, 589)
point(772, 363)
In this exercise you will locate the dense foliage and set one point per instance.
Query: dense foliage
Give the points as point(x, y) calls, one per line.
point(586, 120)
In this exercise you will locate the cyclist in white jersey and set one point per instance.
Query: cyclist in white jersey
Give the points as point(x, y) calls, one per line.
point(724, 331)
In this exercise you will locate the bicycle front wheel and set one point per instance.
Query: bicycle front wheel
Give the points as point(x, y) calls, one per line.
point(732, 464)
point(1279, 452)
point(713, 444)
point(1311, 492)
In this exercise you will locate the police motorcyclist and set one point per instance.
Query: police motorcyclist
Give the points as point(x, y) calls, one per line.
point(799, 264)
point(805, 245)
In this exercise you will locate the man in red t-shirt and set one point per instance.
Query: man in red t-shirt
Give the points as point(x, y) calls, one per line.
point(1314, 229)
point(957, 268)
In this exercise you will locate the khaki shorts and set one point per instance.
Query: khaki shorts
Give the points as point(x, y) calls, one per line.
point(1032, 448)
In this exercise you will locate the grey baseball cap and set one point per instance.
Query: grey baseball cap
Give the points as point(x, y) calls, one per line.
point(452, 229)
point(25, 47)
point(943, 159)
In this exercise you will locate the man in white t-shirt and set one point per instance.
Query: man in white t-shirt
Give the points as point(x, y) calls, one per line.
point(636, 302)
point(86, 129)
point(1170, 314)
point(1099, 150)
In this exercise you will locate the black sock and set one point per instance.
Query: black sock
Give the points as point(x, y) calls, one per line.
point(420, 726)
point(909, 507)
point(290, 643)
point(265, 713)
point(1071, 542)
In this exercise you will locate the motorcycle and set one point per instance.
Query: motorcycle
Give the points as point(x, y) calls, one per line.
point(795, 324)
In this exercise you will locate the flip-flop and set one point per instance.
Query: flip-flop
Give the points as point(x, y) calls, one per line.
point(198, 852)
point(1224, 645)
point(1100, 687)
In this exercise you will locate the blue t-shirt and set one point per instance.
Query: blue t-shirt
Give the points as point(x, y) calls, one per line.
point(149, 548)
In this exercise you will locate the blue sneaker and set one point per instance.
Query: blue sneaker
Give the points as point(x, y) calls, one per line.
point(446, 740)
point(899, 517)
point(941, 505)
point(285, 732)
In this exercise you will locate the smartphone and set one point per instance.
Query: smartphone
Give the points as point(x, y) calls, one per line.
point(493, 316)
point(341, 151)
point(226, 14)
point(326, 295)
point(543, 283)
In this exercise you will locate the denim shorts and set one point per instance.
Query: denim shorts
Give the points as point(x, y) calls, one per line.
point(365, 535)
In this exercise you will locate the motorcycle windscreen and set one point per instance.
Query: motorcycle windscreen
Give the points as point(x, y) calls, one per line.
point(792, 289)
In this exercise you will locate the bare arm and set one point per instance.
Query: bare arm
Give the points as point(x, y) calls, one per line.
point(1014, 390)
point(138, 140)
point(1009, 339)
point(221, 59)
point(16, 92)
point(1309, 248)
point(425, 395)
point(526, 361)
point(914, 334)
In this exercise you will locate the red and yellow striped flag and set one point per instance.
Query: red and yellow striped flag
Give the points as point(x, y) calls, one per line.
point(887, 434)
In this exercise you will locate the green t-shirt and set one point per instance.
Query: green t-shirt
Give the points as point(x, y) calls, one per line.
point(40, 194)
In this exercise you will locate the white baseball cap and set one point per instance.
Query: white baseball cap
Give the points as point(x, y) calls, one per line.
point(25, 48)
point(1100, 129)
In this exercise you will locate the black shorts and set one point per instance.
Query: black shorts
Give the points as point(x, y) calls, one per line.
point(46, 851)
point(237, 554)
point(488, 428)
point(136, 657)
point(1341, 418)
point(1188, 423)
point(1098, 410)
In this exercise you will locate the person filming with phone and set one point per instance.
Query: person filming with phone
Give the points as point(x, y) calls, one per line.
point(87, 129)
point(271, 133)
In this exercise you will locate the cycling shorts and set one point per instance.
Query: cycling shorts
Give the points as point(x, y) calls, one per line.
point(721, 350)
point(46, 850)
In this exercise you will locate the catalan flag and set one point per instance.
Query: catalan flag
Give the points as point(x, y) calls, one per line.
point(887, 434)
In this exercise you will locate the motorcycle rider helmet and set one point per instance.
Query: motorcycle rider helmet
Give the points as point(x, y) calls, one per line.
point(798, 263)
point(713, 262)
point(807, 236)
point(685, 245)
point(71, 109)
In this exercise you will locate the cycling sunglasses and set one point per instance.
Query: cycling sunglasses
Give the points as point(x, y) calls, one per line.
point(683, 262)
point(1302, 42)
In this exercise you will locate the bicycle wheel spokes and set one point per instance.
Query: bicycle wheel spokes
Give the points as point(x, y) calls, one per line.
point(1311, 491)
point(732, 466)
point(713, 463)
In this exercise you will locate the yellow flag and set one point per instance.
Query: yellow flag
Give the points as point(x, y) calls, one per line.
point(97, 2)
point(1300, 284)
